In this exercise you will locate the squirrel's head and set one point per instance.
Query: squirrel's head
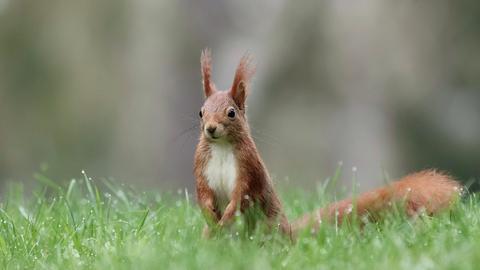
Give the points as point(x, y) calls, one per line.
point(222, 115)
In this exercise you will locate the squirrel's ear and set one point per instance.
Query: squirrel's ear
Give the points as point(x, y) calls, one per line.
point(242, 78)
point(206, 64)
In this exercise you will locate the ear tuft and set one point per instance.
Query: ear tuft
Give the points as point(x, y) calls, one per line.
point(243, 74)
point(206, 65)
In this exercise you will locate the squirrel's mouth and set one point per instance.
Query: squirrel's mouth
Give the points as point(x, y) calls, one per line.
point(213, 137)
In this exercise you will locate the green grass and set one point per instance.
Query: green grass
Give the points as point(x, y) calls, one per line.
point(80, 227)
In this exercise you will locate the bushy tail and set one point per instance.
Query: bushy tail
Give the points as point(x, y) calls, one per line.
point(427, 191)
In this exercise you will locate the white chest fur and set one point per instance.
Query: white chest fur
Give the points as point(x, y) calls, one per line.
point(221, 171)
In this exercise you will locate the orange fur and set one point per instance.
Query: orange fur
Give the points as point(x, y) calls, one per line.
point(253, 186)
point(427, 191)
point(244, 73)
point(206, 64)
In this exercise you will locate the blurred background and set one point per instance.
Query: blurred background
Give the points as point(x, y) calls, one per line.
point(113, 87)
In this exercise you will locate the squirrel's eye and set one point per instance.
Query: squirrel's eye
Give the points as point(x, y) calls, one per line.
point(200, 114)
point(231, 113)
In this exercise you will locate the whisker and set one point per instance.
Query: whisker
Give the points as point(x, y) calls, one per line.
point(259, 139)
point(187, 131)
point(186, 137)
point(191, 119)
point(264, 137)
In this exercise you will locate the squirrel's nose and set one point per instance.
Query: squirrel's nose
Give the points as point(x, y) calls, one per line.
point(211, 129)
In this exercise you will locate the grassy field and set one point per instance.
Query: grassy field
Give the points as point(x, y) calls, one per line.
point(80, 227)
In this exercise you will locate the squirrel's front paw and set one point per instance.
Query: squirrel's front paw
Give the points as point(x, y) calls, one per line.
point(224, 223)
point(206, 233)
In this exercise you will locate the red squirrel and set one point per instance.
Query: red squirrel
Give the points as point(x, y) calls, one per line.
point(230, 174)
